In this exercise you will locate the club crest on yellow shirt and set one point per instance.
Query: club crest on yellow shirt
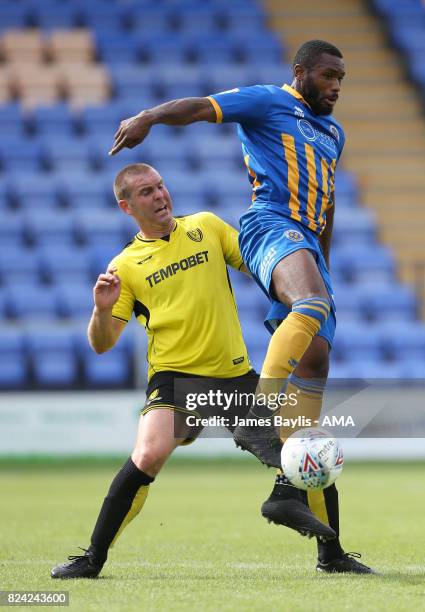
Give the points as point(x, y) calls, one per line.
point(195, 234)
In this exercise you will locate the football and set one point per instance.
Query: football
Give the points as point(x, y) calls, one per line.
point(312, 459)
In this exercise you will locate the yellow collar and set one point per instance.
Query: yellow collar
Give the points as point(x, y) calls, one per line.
point(295, 93)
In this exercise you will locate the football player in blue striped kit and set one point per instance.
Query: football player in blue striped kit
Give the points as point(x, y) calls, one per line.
point(291, 145)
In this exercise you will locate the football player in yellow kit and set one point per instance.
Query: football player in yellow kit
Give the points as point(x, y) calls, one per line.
point(173, 277)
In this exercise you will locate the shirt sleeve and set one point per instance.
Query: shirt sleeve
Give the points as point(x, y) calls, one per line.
point(242, 104)
point(229, 241)
point(341, 143)
point(123, 307)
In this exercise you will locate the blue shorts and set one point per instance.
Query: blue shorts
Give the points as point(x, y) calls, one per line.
point(265, 238)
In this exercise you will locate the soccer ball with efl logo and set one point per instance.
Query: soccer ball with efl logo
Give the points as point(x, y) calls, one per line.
point(312, 459)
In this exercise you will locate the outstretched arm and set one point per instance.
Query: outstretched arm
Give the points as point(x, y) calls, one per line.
point(134, 130)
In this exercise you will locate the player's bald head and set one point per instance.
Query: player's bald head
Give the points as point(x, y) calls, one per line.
point(123, 180)
point(309, 54)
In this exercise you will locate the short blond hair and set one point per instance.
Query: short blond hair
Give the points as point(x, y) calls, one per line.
point(121, 186)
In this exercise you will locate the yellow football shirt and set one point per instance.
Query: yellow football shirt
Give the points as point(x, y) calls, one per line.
point(180, 291)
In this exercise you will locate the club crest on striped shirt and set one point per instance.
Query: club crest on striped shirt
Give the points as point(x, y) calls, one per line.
point(293, 235)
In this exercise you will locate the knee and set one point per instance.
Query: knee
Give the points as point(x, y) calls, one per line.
point(148, 459)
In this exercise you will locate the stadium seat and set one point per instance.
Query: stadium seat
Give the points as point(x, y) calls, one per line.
point(96, 230)
point(108, 370)
point(12, 233)
point(66, 154)
point(352, 343)
point(16, 158)
point(54, 361)
point(59, 261)
point(114, 47)
point(371, 369)
point(75, 301)
point(13, 129)
point(35, 302)
point(44, 229)
point(54, 16)
point(360, 223)
point(369, 261)
point(33, 191)
point(405, 341)
point(13, 371)
point(55, 369)
point(101, 120)
point(85, 191)
point(18, 264)
point(101, 255)
point(14, 16)
point(53, 121)
point(78, 44)
point(396, 303)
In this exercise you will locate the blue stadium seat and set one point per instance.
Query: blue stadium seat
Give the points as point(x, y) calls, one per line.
point(345, 188)
point(56, 120)
point(118, 47)
point(66, 154)
point(141, 79)
point(75, 301)
point(33, 191)
point(55, 369)
point(394, 303)
point(5, 200)
point(375, 369)
point(18, 264)
point(272, 74)
point(54, 15)
point(359, 222)
point(101, 255)
point(33, 302)
point(367, 262)
point(187, 204)
point(105, 15)
point(13, 371)
point(259, 50)
point(147, 19)
point(223, 77)
point(202, 18)
point(413, 368)
point(16, 157)
point(94, 229)
point(102, 120)
point(85, 191)
point(14, 15)
point(159, 51)
point(54, 360)
point(12, 230)
point(14, 130)
point(46, 229)
point(230, 184)
point(108, 370)
point(405, 341)
point(62, 262)
point(352, 343)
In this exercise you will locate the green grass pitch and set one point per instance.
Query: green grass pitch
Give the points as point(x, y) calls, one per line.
point(201, 544)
